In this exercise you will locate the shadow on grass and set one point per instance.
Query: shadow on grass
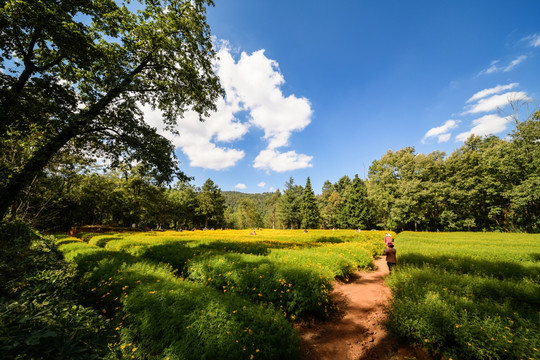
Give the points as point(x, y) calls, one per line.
point(502, 270)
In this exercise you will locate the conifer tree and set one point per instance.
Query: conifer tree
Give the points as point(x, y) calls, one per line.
point(356, 208)
point(309, 208)
point(288, 209)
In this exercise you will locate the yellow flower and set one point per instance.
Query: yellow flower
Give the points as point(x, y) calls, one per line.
point(123, 346)
point(134, 349)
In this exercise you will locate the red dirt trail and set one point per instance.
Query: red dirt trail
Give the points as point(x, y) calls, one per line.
point(356, 332)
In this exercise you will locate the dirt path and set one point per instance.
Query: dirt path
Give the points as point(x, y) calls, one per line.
point(356, 331)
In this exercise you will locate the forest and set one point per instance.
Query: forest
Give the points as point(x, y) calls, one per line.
point(488, 184)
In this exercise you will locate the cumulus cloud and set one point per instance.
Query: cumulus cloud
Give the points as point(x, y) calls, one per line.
point(444, 137)
point(261, 184)
point(441, 132)
point(495, 67)
point(533, 40)
point(496, 101)
point(494, 90)
point(253, 100)
point(254, 82)
point(240, 186)
point(271, 159)
point(486, 125)
point(198, 140)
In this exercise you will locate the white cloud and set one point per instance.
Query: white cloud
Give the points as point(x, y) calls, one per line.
point(534, 40)
point(442, 132)
point(486, 125)
point(271, 189)
point(444, 137)
point(197, 139)
point(254, 81)
point(240, 186)
point(491, 69)
point(496, 101)
point(252, 86)
point(494, 90)
point(495, 67)
point(271, 159)
point(515, 63)
point(261, 184)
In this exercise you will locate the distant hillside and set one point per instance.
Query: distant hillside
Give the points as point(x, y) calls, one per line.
point(234, 198)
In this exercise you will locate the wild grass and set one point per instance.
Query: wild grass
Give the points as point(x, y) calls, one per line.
point(215, 294)
point(468, 295)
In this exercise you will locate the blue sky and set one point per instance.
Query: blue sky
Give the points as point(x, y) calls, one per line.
point(321, 89)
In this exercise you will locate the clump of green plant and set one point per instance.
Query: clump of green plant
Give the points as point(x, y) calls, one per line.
point(102, 240)
point(463, 305)
point(41, 316)
point(298, 290)
point(158, 315)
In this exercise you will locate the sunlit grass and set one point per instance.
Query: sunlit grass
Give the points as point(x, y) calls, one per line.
point(469, 295)
point(219, 292)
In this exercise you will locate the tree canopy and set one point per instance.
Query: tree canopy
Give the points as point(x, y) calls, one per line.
point(74, 75)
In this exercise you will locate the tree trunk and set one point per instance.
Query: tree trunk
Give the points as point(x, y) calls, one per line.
point(21, 179)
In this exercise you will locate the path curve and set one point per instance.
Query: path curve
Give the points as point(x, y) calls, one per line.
point(356, 331)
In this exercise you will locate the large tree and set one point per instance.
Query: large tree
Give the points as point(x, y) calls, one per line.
point(288, 206)
point(211, 204)
point(75, 73)
point(356, 207)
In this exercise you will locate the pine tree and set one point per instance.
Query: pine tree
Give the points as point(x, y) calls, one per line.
point(309, 208)
point(356, 207)
point(211, 204)
point(288, 208)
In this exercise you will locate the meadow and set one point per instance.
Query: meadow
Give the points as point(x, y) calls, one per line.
point(468, 295)
point(215, 294)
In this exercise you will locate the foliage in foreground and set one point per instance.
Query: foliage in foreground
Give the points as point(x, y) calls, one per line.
point(214, 294)
point(469, 295)
point(290, 270)
point(41, 316)
point(158, 314)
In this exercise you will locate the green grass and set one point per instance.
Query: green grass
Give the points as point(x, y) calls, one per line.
point(214, 294)
point(468, 295)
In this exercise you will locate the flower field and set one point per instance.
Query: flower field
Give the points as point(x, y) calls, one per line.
point(215, 294)
point(468, 295)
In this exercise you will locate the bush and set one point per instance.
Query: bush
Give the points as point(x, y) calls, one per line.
point(158, 315)
point(40, 314)
point(297, 290)
point(468, 295)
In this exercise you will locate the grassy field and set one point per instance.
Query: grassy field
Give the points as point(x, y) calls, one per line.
point(468, 295)
point(215, 294)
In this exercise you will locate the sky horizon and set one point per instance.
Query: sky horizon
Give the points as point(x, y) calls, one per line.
point(322, 91)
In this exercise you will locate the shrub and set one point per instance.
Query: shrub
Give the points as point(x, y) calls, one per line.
point(40, 314)
point(158, 315)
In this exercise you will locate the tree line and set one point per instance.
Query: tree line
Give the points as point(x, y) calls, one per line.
point(488, 183)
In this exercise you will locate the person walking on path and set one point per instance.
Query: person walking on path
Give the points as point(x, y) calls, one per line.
point(387, 238)
point(390, 254)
